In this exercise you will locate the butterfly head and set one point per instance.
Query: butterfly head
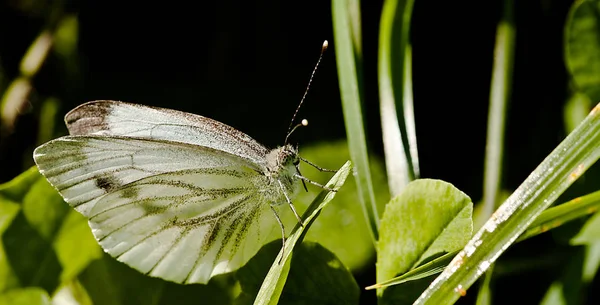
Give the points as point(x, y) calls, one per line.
point(283, 159)
point(288, 156)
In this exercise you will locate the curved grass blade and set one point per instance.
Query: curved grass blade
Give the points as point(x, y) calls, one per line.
point(395, 109)
point(346, 26)
point(270, 291)
point(544, 185)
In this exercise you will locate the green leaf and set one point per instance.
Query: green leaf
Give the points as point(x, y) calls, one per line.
point(575, 110)
point(592, 261)
point(44, 209)
point(582, 47)
point(75, 245)
point(17, 188)
point(348, 51)
point(25, 296)
point(316, 276)
point(589, 233)
point(11, 194)
point(341, 228)
point(429, 218)
point(71, 292)
point(252, 275)
point(45, 241)
point(30, 255)
point(8, 211)
point(554, 295)
point(108, 281)
point(272, 286)
point(27, 247)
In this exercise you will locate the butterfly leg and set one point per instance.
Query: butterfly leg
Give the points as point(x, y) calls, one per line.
point(315, 183)
point(282, 232)
point(317, 167)
point(289, 201)
point(303, 183)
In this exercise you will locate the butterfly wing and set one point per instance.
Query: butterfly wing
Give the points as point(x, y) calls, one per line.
point(172, 210)
point(126, 119)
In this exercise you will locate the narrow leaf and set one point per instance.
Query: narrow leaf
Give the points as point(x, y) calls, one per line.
point(393, 42)
point(341, 227)
point(432, 267)
point(563, 213)
point(499, 96)
point(272, 286)
point(348, 41)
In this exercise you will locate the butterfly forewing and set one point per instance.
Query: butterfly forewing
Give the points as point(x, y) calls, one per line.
point(173, 210)
point(124, 119)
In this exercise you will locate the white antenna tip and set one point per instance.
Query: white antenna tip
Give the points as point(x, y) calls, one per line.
point(304, 122)
point(325, 45)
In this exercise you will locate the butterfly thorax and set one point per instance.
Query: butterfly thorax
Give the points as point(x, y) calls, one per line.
point(281, 169)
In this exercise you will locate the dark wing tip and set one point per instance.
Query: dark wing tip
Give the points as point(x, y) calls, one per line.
point(89, 117)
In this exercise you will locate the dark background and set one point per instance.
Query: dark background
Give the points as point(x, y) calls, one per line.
point(246, 63)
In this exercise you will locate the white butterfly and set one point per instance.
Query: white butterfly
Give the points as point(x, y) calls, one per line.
point(174, 195)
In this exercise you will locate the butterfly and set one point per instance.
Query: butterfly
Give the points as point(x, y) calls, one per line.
point(172, 194)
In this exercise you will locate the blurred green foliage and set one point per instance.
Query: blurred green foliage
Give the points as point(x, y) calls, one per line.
point(48, 254)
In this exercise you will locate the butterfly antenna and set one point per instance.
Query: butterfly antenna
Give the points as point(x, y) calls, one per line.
point(303, 123)
point(291, 128)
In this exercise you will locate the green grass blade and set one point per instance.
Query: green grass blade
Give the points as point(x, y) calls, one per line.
point(548, 181)
point(430, 268)
point(346, 26)
point(409, 113)
point(484, 295)
point(561, 214)
point(270, 291)
point(393, 42)
point(499, 95)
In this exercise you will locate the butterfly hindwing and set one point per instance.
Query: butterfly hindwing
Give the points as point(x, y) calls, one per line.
point(172, 210)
